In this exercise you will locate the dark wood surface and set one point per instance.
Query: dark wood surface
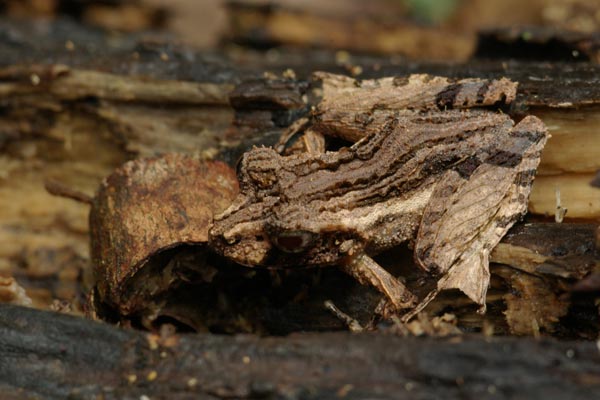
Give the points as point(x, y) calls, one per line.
point(52, 356)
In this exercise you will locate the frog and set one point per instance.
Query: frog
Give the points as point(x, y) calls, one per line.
point(450, 181)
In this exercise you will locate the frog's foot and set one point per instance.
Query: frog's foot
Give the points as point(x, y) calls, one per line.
point(365, 270)
point(352, 324)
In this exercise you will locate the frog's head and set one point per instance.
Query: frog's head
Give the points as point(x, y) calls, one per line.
point(239, 232)
point(266, 227)
point(249, 237)
point(252, 233)
point(300, 236)
point(303, 247)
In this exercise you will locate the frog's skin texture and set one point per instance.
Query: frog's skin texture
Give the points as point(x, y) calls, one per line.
point(452, 182)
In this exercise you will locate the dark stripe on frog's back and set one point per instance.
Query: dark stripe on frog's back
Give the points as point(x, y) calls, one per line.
point(382, 172)
point(447, 97)
point(505, 158)
point(400, 179)
point(485, 86)
point(517, 145)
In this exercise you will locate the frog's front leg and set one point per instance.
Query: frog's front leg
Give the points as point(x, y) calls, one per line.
point(366, 271)
point(310, 141)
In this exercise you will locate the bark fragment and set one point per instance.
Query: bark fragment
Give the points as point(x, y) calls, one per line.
point(150, 205)
point(11, 292)
point(533, 306)
point(565, 250)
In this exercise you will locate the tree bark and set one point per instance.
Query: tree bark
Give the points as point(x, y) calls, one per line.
point(52, 356)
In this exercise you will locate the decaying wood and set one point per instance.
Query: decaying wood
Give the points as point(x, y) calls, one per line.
point(549, 249)
point(539, 44)
point(573, 15)
point(576, 195)
point(596, 181)
point(78, 140)
point(78, 358)
point(397, 28)
point(533, 305)
point(272, 24)
point(544, 274)
point(12, 293)
point(128, 16)
point(569, 162)
point(147, 206)
point(71, 114)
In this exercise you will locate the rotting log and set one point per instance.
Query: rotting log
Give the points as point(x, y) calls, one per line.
point(82, 137)
point(53, 356)
point(73, 113)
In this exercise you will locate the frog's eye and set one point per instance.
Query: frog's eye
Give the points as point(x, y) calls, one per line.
point(294, 241)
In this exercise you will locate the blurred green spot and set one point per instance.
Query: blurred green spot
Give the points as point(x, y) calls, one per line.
point(433, 11)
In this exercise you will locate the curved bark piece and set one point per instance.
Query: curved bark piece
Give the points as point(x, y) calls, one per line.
point(147, 206)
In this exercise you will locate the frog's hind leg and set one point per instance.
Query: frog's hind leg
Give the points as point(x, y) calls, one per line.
point(366, 271)
point(472, 208)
